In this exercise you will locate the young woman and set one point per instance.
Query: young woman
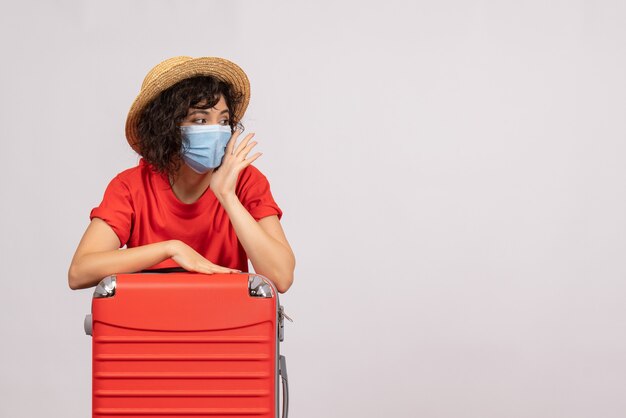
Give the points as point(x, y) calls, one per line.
point(194, 200)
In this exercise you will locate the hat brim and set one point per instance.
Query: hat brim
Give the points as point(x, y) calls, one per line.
point(220, 68)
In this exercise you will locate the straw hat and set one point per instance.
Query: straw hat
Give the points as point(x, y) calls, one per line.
point(173, 70)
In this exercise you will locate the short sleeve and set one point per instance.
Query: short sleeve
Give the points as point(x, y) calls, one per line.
point(116, 209)
point(255, 194)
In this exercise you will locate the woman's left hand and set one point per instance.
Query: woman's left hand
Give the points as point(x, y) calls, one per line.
point(224, 179)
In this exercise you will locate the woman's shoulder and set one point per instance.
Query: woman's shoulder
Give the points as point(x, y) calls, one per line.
point(252, 183)
point(250, 175)
point(134, 175)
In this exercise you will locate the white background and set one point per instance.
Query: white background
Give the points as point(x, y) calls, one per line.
point(451, 174)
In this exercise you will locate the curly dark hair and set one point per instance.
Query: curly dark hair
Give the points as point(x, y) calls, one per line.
point(160, 141)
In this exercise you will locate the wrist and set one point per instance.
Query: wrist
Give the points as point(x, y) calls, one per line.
point(171, 247)
point(226, 198)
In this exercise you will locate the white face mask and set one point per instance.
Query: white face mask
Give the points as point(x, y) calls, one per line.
point(204, 146)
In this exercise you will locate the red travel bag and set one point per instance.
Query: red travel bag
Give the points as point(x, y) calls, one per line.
point(181, 345)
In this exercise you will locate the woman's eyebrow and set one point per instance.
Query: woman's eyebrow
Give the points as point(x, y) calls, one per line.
point(204, 112)
point(198, 111)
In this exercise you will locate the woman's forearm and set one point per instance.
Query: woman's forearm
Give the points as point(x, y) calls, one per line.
point(268, 256)
point(90, 268)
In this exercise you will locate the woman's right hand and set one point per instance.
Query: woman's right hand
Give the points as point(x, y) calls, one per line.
point(191, 260)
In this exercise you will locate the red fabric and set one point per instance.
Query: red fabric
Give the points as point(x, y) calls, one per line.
point(141, 208)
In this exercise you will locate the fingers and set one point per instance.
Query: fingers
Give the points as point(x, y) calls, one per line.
point(243, 143)
point(244, 153)
point(210, 268)
point(243, 148)
point(191, 260)
point(250, 160)
point(248, 148)
point(231, 143)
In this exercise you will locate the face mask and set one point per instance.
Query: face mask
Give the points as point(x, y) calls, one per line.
point(204, 146)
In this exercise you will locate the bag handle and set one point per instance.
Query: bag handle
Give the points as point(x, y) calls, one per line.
point(166, 270)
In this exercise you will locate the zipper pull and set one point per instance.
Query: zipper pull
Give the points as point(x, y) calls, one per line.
point(282, 314)
point(287, 316)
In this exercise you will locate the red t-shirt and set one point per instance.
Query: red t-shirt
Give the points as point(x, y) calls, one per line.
point(141, 208)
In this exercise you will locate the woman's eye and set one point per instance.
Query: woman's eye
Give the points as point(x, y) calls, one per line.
point(204, 121)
